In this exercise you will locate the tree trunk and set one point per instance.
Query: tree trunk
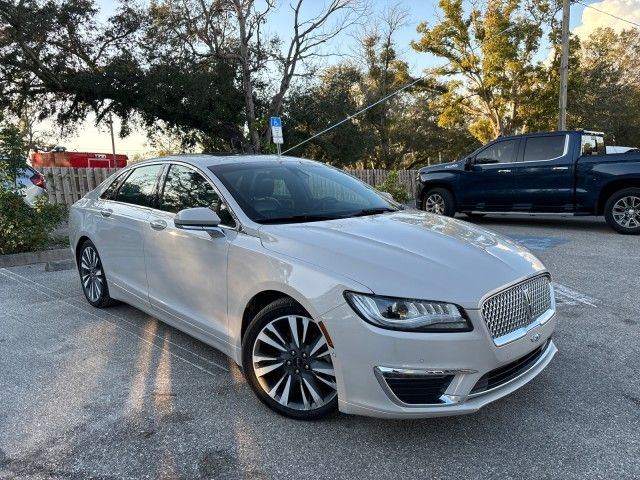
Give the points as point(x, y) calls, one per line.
point(247, 83)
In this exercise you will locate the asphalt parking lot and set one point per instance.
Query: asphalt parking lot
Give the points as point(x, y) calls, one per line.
point(87, 393)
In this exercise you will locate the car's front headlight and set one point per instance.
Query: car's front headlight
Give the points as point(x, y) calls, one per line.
point(408, 314)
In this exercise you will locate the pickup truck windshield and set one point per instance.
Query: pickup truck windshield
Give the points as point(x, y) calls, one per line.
point(296, 192)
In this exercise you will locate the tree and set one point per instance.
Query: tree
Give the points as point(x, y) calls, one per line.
point(232, 31)
point(56, 55)
point(489, 54)
point(609, 97)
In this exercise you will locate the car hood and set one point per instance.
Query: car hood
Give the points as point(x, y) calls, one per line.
point(443, 166)
point(408, 254)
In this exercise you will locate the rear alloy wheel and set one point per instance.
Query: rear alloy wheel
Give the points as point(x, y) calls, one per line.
point(94, 282)
point(439, 201)
point(288, 362)
point(622, 211)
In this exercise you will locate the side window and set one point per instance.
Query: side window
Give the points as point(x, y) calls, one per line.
point(544, 148)
point(186, 188)
point(110, 191)
point(592, 145)
point(500, 152)
point(139, 187)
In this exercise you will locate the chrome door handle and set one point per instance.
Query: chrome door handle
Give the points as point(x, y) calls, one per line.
point(106, 212)
point(504, 171)
point(560, 168)
point(158, 224)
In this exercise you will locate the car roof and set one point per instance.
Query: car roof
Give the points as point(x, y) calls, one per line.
point(205, 160)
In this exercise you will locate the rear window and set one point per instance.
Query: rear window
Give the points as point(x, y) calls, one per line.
point(139, 187)
point(544, 148)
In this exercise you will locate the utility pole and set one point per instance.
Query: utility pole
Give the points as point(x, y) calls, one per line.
point(564, 66)
point(113, 142)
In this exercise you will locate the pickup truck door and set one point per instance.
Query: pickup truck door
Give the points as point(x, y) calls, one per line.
point(488, 183)
point(544, 176)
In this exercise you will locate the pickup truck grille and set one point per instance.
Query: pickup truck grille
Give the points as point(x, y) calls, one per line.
point(517, 306)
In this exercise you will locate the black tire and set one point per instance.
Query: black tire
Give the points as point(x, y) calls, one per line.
point(474, 216)
point(443, 198)
point(291, 373)
point(622, 211)
point(92, 276)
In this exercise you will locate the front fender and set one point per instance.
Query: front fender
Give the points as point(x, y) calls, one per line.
point(251, 272)
point(429, 180)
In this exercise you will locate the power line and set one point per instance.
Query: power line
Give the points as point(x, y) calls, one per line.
point(607, 13)
point(392, 94)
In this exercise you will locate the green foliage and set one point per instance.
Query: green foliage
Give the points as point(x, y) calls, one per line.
point(13, 152)
point(393, 186)
point(24, 228)
point(492, 50)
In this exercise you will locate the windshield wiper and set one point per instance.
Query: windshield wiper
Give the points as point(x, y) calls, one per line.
point(298, 219)
point(371, 211)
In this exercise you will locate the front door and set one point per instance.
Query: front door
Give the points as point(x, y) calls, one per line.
point(488, 184)
point(187, 269)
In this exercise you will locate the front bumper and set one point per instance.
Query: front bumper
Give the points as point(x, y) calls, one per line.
point(362, 351)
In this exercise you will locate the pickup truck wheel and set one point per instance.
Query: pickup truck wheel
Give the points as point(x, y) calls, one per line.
point(622, 211)
point(439, 201)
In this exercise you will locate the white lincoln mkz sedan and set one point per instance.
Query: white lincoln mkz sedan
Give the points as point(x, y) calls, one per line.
point(329, 294)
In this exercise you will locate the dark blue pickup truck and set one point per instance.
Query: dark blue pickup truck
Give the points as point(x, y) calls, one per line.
point(557, 172)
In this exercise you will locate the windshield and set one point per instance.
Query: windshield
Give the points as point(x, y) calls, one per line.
point(290, 192)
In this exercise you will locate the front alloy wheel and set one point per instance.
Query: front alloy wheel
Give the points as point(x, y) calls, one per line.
point(288, 362)
point(439, 201)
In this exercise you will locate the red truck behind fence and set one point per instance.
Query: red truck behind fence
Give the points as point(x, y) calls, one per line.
point(77, 160)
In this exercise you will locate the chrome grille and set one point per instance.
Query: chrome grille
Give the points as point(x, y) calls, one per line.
point(517, 306)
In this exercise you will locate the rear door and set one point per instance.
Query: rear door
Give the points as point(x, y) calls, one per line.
point(187, 269)
point(488, 184)
point(543, 178)
point(121, 218)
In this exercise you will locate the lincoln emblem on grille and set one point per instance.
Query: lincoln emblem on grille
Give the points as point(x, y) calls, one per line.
point(527, 298)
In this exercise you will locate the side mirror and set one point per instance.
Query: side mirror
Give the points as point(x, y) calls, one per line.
point(468, 162)
point(387, 195)
point(199, 218)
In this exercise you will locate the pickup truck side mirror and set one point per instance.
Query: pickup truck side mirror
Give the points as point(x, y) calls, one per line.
point(199, 218)
point(468, 162)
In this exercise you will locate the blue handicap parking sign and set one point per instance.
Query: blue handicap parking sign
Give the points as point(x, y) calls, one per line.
point(276, 122)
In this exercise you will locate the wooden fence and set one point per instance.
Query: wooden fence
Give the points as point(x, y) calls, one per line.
point(68, 185)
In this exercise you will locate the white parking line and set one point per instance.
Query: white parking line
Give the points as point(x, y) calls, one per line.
point(21, 279)
point(568, 296)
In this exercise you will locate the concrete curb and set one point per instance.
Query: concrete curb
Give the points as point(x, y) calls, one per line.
point(28, 258)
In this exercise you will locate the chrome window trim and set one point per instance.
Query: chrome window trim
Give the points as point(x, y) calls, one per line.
point(566, 150)
point(130, 168)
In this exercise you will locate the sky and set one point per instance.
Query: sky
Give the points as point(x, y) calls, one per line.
point(583, 22)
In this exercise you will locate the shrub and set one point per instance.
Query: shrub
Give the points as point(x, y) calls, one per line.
point(24, 228)
point(393, 186)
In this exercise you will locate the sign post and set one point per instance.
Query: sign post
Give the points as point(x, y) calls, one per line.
point(276, 132)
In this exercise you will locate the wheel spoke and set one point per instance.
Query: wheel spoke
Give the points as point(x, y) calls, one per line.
point(293, 327)
point(262, 371)
point(325, 370)
point(284, 398)
point(319, 343)
point(305, 401)
point(305, 326)
point(269, 341)
point(313, 389)
point(272, 392)
point(327, 381)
